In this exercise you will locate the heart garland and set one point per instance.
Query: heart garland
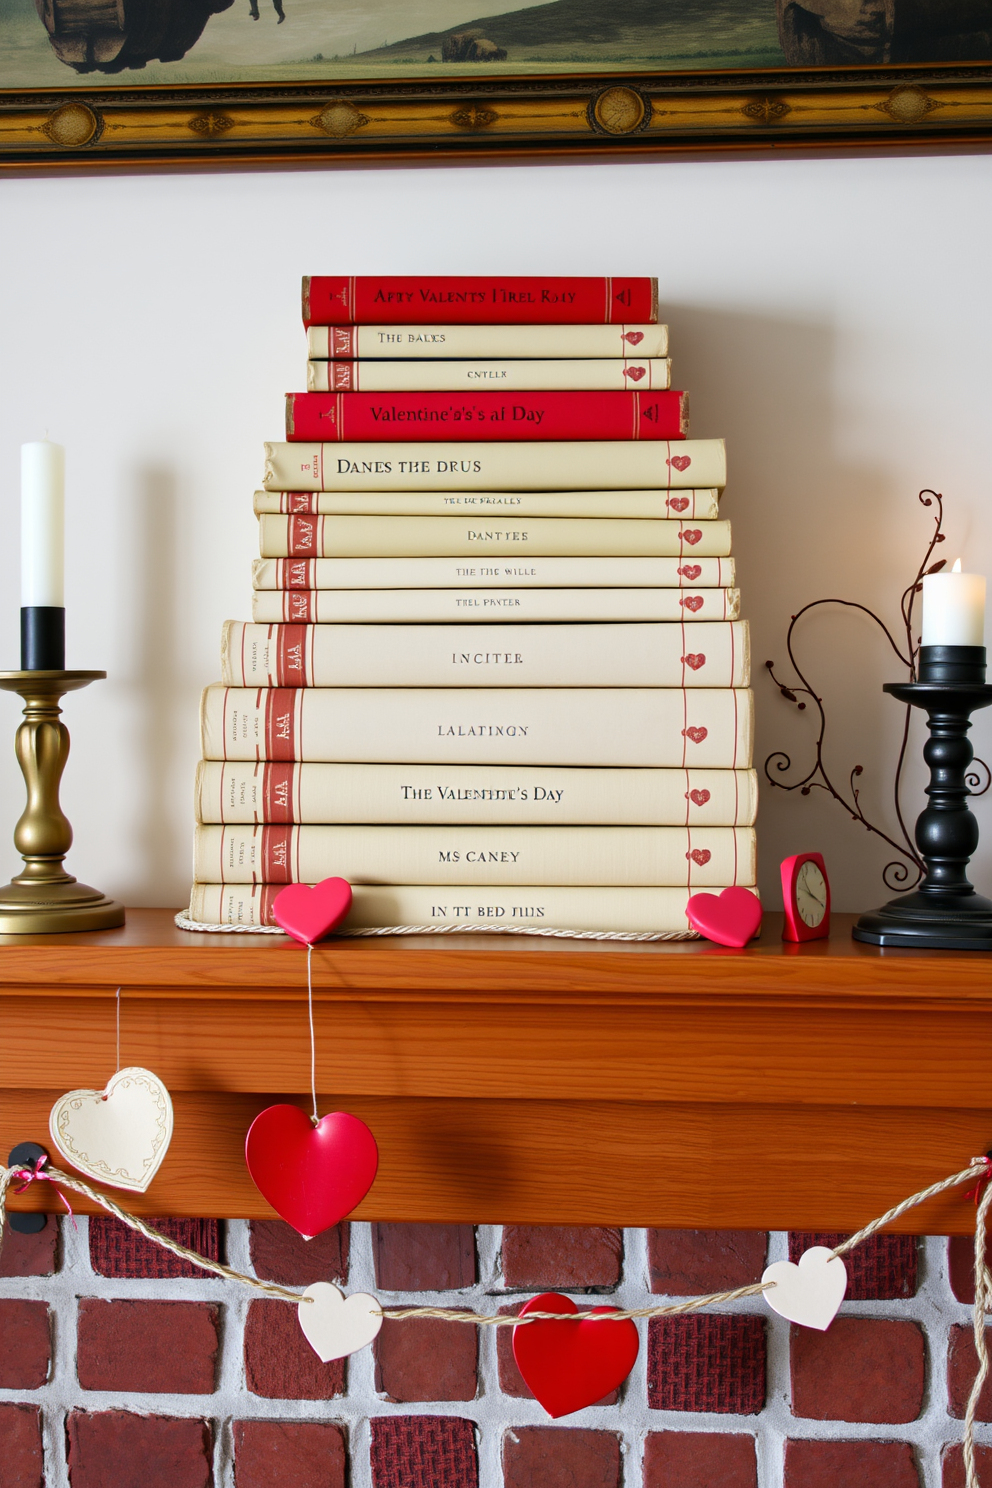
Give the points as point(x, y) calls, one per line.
point(568, 1366)
point(335, 1325)
point(118, 1135)
point(808, 1293)
point(312, 1173)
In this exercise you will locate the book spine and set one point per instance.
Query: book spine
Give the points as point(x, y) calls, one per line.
point(512, 466)
point(486, 537)
point(657, 505)
point(505, 573)
point(459, 606)
point(675, 655)
point(487, 342)
point(509, 795)
point(464, 299)
point(696, 857)
point(432, 416)
point(575, 374)
point(637, 911)
point(661, 728)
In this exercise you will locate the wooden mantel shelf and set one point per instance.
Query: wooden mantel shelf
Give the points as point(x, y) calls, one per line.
point(535, 1081)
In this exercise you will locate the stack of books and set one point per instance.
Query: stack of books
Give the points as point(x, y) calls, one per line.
point(495, 674)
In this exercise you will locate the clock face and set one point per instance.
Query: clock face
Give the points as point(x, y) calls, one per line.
point(811, 894)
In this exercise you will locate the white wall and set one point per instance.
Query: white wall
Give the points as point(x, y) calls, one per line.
point(831, 318)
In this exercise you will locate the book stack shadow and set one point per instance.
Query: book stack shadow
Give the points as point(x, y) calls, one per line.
point(495, 674)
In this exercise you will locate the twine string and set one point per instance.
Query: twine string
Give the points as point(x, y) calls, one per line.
point(983, 1299)
point(183, 922)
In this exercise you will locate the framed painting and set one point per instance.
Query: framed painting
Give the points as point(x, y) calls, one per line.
point(137, 81)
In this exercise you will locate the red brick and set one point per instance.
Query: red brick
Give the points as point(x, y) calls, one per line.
point(20, 1446)
point(279, 1363)
point(30, 1255)
point(707, 1362)
point(511, 1381)
point(961, 1265)
point(289, 1454)
point(552, 1457)
point(426, 1359)
point(423, 1452)
point(962, 1368)
point(423, 1257)
point(882, 1268)
point(569, 1257)
point(25, 1345)
point(279, 1253)
point(860, 1369)
point(117, 1250)
point(690, 1263)
point(700, 1459)
point(952, 1467)
point(850, 1464)
point(162, 1347)
point(128, 1451)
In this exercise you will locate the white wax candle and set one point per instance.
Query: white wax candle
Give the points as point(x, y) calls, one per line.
point(42, 524)
point(954, 608)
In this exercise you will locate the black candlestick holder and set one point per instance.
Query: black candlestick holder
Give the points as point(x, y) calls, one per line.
point(944, 913)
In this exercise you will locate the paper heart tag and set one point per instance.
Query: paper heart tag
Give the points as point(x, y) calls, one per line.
point(312, 1175)
point(119, 1135)
point(571, 1365)
point(729, 919)
point(335, 1325)
point(308, 914)
point(810, 1293)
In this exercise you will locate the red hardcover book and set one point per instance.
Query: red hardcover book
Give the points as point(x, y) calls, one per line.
point(477, 299)
point(324, 418)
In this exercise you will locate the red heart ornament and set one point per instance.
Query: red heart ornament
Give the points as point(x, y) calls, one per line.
point(697, 735)
point(700, 856)
point(691, 570)
point(691, 535)
point(308, 914)
point(571, 1365)
point(680, 462)
point(634, 372)
point(694, 660)
point(634, 337)
point(677, 503)
point(693, 602)
point(697, 797)
point(311, 1175)
point(730, 918)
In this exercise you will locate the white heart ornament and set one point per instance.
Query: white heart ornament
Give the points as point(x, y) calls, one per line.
point(810, 1293)
point(335, 1325)
point(116, 1136)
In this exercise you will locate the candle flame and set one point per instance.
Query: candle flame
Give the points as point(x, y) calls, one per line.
point(956, 566)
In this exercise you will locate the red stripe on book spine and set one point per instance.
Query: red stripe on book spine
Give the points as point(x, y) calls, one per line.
point(280, 721)
point(277, 854)
point(480, 300)
point(292, 654)
point(277, 792)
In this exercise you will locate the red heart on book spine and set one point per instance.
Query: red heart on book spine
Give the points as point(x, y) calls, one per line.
point(677, 503)
point(635, 372)
point(634, 337)
point(691, 570)
point(697, 797)
point(697, 735)
point(679, 462)
point(700, 856)
point(691, 535)
point(695, 659)
point(571, 1365)
point(692, 602)
point(308, 914)
point(730, 918)
point(311, 1175)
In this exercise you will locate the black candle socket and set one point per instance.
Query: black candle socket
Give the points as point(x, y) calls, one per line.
point(944, 912)
point(42, 638)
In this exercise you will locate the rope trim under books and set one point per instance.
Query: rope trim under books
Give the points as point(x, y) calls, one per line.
point(183, 922)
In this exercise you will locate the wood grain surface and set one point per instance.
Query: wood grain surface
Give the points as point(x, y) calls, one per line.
point(528, 1081)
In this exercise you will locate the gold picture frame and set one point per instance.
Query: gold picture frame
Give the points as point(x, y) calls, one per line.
point(409, 110)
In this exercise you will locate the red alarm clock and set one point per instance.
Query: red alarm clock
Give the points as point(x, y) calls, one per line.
point(806, 894)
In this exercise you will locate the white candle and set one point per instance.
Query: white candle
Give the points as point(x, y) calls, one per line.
point(42, 524)
point(954, 608)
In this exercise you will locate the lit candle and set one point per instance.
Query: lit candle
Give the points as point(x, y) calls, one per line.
point(954, 608)
point(42, 556)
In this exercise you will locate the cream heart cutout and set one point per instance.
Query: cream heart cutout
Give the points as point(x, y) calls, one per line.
point(810, 1293)
point(116, 1136)
point(335, 1325)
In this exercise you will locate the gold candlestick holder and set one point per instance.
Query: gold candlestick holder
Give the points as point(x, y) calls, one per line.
point(44, 898)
